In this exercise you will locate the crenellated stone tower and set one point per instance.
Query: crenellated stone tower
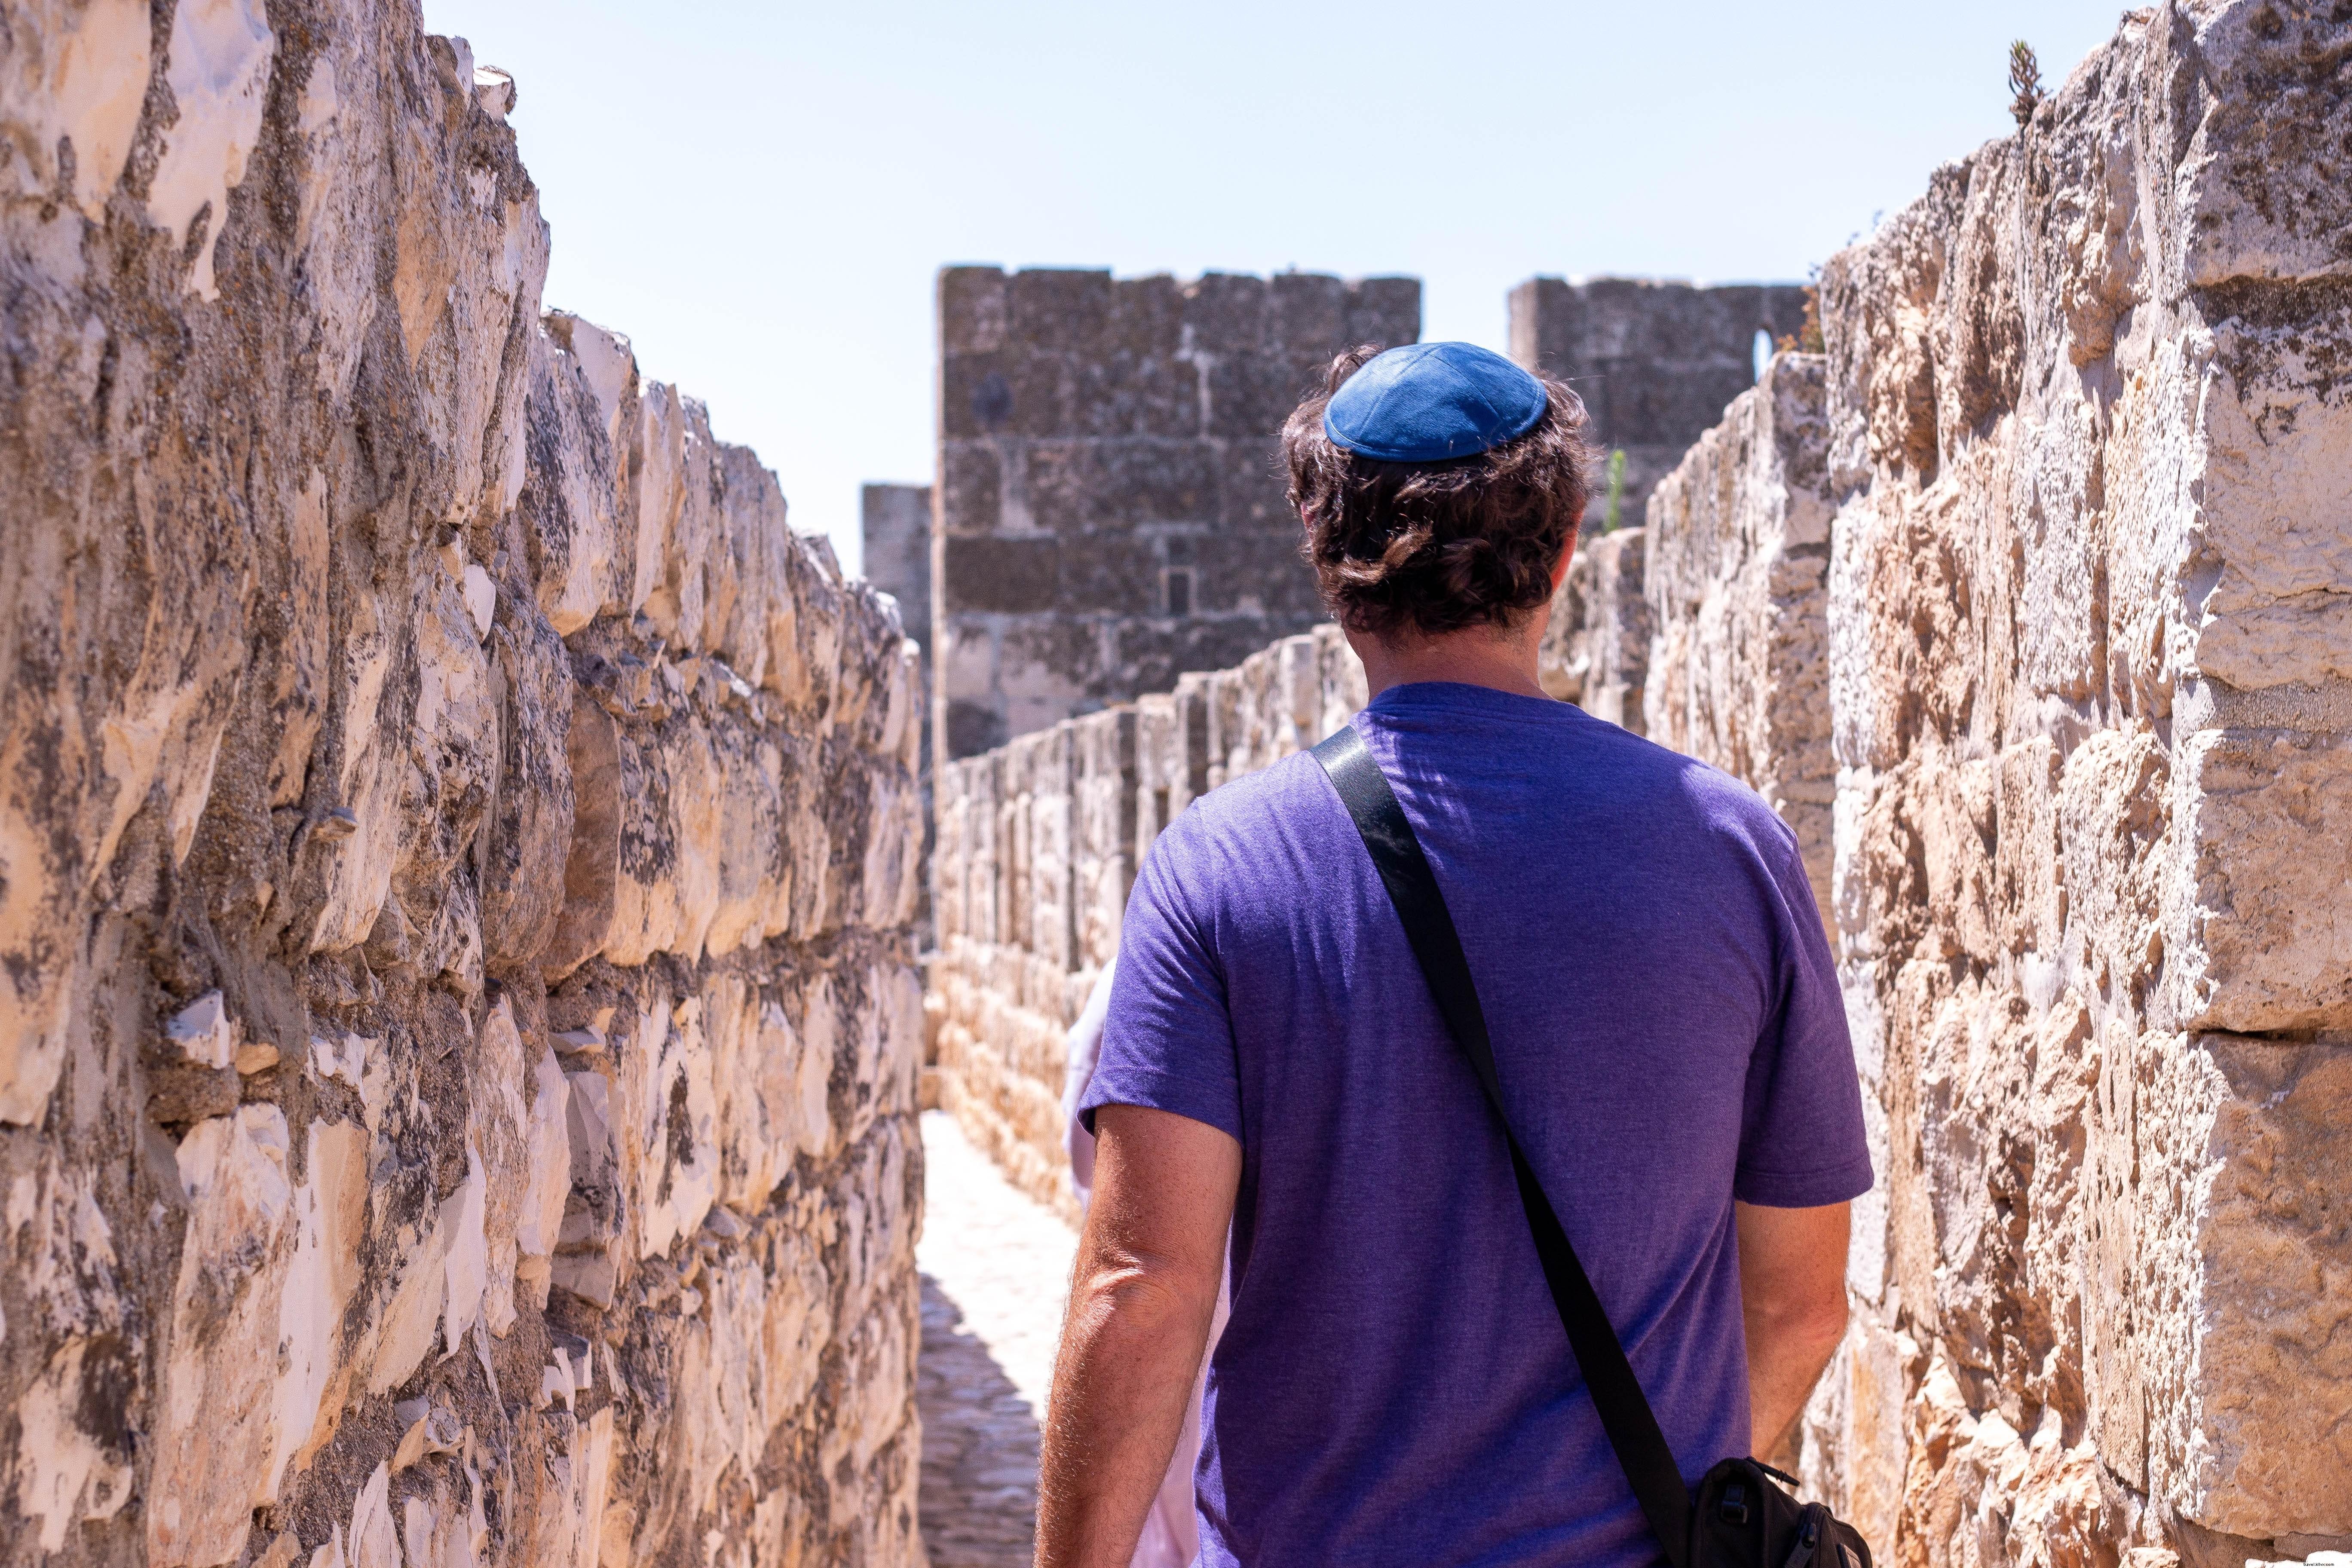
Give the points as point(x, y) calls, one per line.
point(1110, 509)
point(1656, 361)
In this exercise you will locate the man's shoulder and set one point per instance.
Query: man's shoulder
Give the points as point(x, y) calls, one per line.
point(1249, 842)
point(1690, 793)
point(1245, 810)
point(1647, 789)
point(1643, 795)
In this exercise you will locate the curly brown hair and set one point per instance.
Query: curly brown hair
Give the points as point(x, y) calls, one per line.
point(1435, 547)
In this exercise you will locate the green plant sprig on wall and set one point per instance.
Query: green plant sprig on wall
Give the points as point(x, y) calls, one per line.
point(2024, 82)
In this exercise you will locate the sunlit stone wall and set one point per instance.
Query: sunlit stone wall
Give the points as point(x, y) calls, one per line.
point(458, 852)
point(1038, 845)
point(2031, 607)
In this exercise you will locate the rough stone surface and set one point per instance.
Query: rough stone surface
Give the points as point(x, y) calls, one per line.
point(2040, 569)
point(457, 847)
point(1654, 361)
point(1110, 509)
point(1596, 645)
point(1736, 578)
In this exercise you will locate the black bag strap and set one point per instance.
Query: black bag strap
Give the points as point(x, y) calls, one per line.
point(1625, 1413)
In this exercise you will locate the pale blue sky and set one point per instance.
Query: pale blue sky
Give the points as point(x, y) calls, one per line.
point(759, 194)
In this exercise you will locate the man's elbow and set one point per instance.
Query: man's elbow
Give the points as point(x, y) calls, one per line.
point(1792, 1273)
point(1816, 1319)
point(1141, 1293)
point(1827, 1320)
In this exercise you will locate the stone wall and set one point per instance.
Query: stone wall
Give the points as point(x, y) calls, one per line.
point(1596, 645)
point(1038, 845)
point(895, 523)
point(459, 1028)
point(1654, 361)
point(1735, 584)
point(2090, 629)
point(1111, 507)
point(2043, 570)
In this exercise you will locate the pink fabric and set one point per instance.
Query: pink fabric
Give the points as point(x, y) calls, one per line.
point(1172, 1533)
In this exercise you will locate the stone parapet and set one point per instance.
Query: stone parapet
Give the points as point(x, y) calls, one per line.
point(1038, 843)
point(1736, 580)
point(2086, 631)
point(459, 849)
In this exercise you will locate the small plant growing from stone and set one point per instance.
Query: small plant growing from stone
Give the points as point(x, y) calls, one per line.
point(1807, 338)
point(2024, 82)
point(1615, 502)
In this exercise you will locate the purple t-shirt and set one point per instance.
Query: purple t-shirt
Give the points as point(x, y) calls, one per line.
point(1394, 1387)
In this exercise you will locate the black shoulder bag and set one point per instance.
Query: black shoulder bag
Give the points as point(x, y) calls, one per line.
point(1738, 1517)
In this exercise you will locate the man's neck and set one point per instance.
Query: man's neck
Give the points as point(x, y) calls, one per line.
point(1502, 660)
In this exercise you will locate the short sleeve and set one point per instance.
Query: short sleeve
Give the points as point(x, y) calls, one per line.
point(1801, 1140)
point(1168, 1041)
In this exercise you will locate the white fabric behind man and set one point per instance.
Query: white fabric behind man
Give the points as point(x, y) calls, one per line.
point(1171, 1534)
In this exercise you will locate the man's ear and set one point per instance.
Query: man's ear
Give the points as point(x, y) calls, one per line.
point(1567, 554)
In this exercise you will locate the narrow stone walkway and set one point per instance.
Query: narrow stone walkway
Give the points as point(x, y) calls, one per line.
point(996, 1267)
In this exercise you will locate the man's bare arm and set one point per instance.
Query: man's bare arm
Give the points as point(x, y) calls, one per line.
point(1142, 1299)
point(1792, 1293)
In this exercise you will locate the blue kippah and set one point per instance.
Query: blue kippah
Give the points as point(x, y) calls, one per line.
point(1428, 401)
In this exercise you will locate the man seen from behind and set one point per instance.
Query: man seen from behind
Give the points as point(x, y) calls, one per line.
point(1394, 1385)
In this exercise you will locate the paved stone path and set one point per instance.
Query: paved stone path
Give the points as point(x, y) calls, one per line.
point(996, 1266)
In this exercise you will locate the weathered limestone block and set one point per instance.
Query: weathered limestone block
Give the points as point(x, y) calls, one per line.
point(1736, 574)
point(457, 859)
point(528, 832)
point(233, 1266)
point(78, 78)
point(2250, 1285)
point(964, 865)
point(1597, 642)
point(1105, 818)
point(581, 419)
point(2085, 454)
point(1047, 909)
point(2260, 922)
point(1172, 757)
point(675, 498)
